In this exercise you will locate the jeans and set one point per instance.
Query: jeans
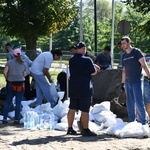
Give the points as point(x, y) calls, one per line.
point(10, 93)
point(135, 102)
point(42, 90)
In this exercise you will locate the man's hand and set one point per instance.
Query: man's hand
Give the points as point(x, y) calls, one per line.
point(147, 79)
point(97, 67)
point(122, 87)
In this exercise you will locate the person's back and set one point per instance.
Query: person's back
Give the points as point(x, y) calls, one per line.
point(14, 72)
point(43, 60)
point(27, 62)
point(80, 68)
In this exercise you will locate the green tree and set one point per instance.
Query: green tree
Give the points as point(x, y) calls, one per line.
point(142, 6)
point(64, 38)
point(30, 19)
point(136, 19)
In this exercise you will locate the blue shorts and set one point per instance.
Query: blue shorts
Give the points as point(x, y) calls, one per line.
point(146, 93)
point(82, 104)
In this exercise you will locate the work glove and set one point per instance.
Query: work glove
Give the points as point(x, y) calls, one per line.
point(122, 87)
point(147, 79)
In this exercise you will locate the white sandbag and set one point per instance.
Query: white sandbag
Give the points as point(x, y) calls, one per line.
point(107, 113)
point(146, 130)
point(110, 121)
point(25, 108)
point(61, 95)
point(24, 103)
point(53, 92)
point(60, 110)
point(64, 119)
point(11, 114)
point(102, 116)
point(100, 107)
point(91, 117)
point(134, 129)
point(98, 118)
point(62, 126)
point(115, 129)
point(46, 108)
point(93, 126)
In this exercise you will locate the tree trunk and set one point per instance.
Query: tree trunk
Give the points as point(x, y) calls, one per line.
point(31, 46)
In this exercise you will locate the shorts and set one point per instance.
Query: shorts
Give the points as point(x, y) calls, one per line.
point(146, 93)
point(82, 104)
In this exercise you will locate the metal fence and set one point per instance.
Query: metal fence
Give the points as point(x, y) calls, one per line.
point(55, 65)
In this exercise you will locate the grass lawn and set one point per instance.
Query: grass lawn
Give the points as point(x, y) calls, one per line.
point(2, 81)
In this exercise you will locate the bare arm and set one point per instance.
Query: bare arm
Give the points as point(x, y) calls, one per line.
point(25, 73)
point(5, 71)
point(144, 66)
point(123, 75)
point(97, 68)
point(47, 74)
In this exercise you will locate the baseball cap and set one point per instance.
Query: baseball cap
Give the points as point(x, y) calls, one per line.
point(17, 52)
point(80, 45)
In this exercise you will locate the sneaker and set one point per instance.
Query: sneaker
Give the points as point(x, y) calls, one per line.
point(16, 122)
point(87, 132)
point(71, 131)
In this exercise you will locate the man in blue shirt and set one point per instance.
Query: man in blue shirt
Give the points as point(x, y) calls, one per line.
point(103, 60)
point(133, 62)
point(81, 68)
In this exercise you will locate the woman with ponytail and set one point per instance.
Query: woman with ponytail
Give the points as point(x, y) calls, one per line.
point(14, 72)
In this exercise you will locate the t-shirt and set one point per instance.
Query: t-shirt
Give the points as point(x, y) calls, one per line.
point(80, 68)
point(27, 62)
point(133, 68)
point(44, 60)
point(16, 70)
point(103, 60)
point(10, 55)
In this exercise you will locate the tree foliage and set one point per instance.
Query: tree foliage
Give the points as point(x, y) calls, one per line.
point(142, 6)
point(139, 5)
point(29, 19)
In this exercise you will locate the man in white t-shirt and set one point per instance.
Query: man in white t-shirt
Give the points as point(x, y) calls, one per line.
point(39, 69)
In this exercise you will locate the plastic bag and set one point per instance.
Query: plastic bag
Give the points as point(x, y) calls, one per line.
point(53, 92)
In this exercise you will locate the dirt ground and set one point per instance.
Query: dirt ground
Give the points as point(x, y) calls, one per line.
point(17, 138)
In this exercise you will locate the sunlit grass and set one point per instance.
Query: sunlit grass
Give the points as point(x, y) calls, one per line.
point(2, 80)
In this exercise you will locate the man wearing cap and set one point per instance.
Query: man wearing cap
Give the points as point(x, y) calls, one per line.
point(81, 68)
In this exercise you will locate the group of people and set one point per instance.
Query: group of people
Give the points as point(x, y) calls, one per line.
point(17, 71)
point(82, 66)
point(132, 61)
